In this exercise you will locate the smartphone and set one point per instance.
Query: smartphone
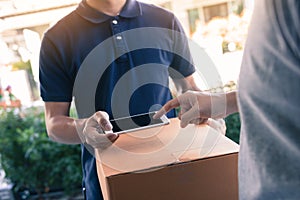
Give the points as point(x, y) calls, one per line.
point(137, 122)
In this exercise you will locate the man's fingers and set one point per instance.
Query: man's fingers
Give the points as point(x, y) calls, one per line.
point(105, 124)
point(101, 114)
point(174, 103)
point(103, 119)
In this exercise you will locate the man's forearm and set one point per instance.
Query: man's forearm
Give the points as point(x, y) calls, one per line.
point(62, 129)
point(187, 83)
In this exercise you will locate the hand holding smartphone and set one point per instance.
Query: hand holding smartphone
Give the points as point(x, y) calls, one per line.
point(137, 122)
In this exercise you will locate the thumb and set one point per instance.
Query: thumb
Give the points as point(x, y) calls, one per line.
point(112, 136)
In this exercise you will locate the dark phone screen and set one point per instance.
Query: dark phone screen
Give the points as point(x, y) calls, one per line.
point(134, 122)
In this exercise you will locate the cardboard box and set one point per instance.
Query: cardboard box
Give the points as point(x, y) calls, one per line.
point(169, 162)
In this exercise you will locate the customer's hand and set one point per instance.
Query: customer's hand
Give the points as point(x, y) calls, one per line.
point(92, 130)
point(196, 107)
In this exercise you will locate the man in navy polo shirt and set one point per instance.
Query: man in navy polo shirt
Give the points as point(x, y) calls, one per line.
point(68, 45)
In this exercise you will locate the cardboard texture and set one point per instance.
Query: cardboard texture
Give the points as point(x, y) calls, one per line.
point(169, 162)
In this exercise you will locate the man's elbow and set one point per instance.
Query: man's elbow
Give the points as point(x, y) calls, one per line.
point(52, 136)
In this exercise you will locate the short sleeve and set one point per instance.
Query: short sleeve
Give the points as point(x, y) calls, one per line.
point(56, 82)
point(182, 63)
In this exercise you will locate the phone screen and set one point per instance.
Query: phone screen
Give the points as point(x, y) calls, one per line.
point(135, 122)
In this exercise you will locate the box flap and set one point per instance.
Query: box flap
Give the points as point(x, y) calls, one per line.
point(160, 146)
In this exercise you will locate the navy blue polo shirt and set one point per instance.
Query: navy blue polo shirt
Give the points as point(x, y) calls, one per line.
point(68, 43)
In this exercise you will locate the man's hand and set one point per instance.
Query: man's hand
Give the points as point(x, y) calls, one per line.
point(91, 130)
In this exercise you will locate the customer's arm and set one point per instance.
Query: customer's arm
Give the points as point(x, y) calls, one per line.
point(231, 103)
point(195, 105)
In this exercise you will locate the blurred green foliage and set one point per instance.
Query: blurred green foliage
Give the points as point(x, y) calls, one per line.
point(32, 161)
point(233, 126)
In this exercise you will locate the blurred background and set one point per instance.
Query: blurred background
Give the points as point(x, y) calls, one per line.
point(218, 26)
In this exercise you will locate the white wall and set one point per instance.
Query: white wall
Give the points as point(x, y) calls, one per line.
point(19, 82)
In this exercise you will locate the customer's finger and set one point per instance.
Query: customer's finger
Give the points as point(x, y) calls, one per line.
point(188, 116)
point(166, 108)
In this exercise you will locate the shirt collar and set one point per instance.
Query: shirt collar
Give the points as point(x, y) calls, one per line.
point(131, 9)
